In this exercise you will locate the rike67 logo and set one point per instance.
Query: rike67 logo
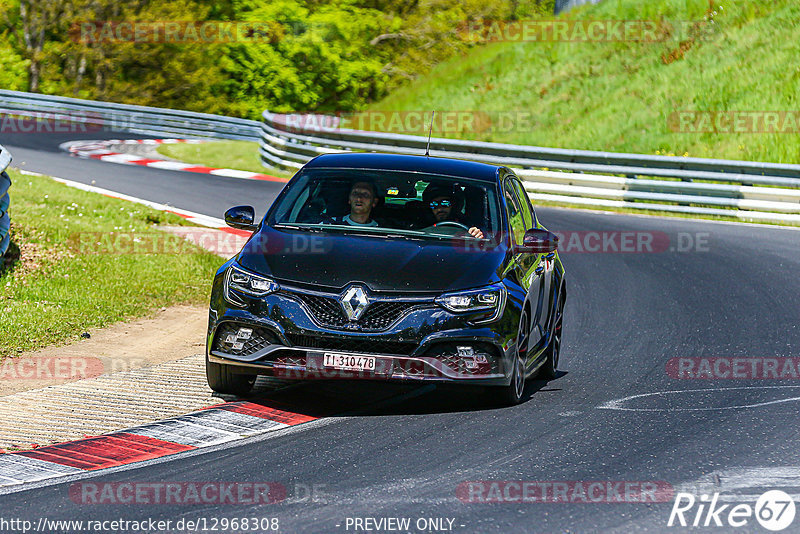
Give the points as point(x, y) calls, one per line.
point(774, 510)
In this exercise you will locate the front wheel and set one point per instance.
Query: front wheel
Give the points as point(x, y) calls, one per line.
point(550, 366)
point(222, 380)
point(511, 394)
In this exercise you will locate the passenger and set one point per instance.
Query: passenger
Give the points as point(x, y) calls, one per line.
point(362, 199)
point(440, 200)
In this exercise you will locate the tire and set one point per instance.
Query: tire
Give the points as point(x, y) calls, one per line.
point(222, 379)
point(511, 395)
point(549, 368)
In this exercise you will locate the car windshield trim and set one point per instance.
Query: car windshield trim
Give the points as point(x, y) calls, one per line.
point(372, 230)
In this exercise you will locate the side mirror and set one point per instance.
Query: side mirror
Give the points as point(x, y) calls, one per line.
point(538, 241)
point(241, 217)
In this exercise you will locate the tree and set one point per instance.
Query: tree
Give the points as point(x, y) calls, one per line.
point(38, 18)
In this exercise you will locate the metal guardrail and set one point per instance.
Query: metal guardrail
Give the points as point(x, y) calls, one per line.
point(94, 116)
point(590, 178)
point(5, 200)
point(638, 181)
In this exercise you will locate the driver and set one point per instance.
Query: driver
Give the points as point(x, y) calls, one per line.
point(440, 200)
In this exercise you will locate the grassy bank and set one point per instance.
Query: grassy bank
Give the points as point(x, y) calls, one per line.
point(622, 96)
point(52, 290)
point(723, 56)
point(241, 155)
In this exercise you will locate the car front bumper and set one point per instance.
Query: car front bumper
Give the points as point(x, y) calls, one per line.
point(277, 335)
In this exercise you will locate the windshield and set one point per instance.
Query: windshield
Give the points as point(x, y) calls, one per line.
point(418, 205)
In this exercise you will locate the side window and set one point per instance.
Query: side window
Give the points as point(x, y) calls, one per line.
point(524, 203)
point(515, 217)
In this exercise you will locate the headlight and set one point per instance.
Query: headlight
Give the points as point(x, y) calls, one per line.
point(248, 283)
point(491, 299)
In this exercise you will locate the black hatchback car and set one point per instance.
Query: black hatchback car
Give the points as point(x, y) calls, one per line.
point(390, 267)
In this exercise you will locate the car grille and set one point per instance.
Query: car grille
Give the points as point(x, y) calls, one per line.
point(352, 344)
point(379, 315)
point(260, 338)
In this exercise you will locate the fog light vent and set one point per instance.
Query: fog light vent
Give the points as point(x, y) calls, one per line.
point(474, 359)
point(235, 339)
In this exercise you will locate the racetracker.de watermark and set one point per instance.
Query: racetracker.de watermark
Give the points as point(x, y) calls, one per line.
point(56, 123)
point(569, 491)
point(732, 368)
point(177, 493)
point(197, 492)
point(65, 367)
point(585, 31)
point(612, 242)
point(51, 368)
point(631, 242)
point(403, 121)
point(188, 239)
point(734, 122)
point(174, 32)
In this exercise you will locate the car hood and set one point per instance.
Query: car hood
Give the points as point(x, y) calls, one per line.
point(333, 260)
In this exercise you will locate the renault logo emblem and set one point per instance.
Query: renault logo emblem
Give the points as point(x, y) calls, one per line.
point(354, 301)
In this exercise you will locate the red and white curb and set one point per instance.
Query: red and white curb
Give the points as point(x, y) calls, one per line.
point(99, 150)
point(204, 428)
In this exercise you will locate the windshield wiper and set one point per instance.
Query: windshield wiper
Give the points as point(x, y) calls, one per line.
point(282, 226)
point(355, 230)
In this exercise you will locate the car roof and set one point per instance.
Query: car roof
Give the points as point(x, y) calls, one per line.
point(398, 162)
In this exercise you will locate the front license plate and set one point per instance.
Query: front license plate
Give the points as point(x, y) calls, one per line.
point(348, 362)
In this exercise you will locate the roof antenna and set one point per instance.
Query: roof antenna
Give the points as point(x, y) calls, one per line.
point(430, 130)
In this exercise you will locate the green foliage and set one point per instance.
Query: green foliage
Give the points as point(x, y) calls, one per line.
point(307, 55)
point(13, 74)
point(13, 66)
point(315, 60)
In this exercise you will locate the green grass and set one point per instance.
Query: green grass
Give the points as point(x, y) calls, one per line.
point(619, 96)
point(240, 155)
point(56, 290)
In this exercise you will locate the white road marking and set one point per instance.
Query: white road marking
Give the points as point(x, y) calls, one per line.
point(745, 484)
point(618, 404)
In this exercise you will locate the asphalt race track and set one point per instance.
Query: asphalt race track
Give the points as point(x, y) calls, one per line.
point(731, 293)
